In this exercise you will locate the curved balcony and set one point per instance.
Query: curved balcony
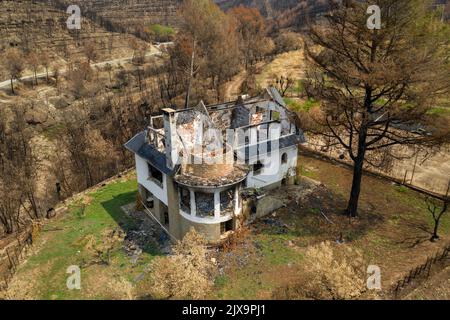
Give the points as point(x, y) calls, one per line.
point(215, 206)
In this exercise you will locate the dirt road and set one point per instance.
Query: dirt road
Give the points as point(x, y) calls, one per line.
point(155, 50)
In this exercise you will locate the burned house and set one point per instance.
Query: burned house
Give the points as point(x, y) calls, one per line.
point(193, 165)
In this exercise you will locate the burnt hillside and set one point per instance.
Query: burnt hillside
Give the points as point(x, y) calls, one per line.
point(296, 13)
point(127, 15)
point(268, 8)
point(33, 25)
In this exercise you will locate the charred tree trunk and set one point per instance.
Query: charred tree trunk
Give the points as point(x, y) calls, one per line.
point(435, 236)
point(352, 208)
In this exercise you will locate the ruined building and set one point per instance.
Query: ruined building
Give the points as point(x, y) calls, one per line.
point(197, 167)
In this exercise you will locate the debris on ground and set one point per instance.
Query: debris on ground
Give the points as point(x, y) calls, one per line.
point(145, 235)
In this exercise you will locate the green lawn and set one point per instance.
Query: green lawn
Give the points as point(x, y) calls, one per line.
point(299, 106)
point(67, 241)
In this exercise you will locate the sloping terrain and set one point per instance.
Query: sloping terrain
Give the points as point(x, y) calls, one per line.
point(114, 248)
point(33, 26)
point(268, 8)
point(296, 13)
point(128, 15)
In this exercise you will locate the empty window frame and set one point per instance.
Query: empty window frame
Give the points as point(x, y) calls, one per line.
point(185, 200)
point(205, 204)
point(155, 175)
point(257, 168)
point(226, 226)
point(284, 158)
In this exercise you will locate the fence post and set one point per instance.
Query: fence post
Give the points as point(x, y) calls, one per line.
point(404, 178)
point(414, 168)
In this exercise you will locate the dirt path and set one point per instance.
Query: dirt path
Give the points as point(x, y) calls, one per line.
point(233, 88)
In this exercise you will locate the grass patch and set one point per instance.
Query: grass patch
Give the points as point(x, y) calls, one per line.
point(64, 242)
point(298, 89)
point(401, 189)
point(275, 249)
point(306, 173)
point(299, 106)
point(439, 111)
point(161, 30)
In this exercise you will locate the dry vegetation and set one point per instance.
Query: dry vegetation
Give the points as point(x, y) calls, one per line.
point(186, 274)
point(87, 93)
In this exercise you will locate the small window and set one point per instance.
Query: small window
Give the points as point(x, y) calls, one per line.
point(185, 200)
point(226, 226)
point(155, 175)
point(166, 218)
point(257, 168)
point(284, 158)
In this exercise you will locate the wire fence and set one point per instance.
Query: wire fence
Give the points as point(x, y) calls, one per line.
point(12, 254)
point(422, 272)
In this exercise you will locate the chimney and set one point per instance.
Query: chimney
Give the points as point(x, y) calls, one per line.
point(170, 132)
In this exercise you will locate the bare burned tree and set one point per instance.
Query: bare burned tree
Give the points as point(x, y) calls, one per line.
point(374, 85)
point(90, 51)
point(283, 84)
point(18, 172)
point(45, 62)
point(438, 208)
point(13, 62)
point(34, 62)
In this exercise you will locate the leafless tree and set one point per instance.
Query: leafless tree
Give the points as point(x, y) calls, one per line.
point(18, 172)
point(45, 62)
point(374, 85)
point(437, 208)
point(13, 62)
point(33, 61)
point(283, 84)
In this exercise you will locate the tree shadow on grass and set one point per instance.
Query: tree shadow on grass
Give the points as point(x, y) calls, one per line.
point(114, 209)
point(419, 233)
point(139, 234)
point(320, 216)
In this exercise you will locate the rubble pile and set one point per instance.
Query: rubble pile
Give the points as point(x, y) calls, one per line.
point(146, 235)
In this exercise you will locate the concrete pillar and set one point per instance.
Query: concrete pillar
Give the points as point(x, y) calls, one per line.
point(142, 192)
point(174, 209)
point(170, 132)
point(236, 200)
point(216, 204)
point(193, 204)
point(158, 209)
point(254, 135)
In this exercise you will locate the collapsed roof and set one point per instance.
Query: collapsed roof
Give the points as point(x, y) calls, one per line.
point(202, 131)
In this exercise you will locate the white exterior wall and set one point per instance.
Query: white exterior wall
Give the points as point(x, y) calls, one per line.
point(143, 179)
point(267, 176)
